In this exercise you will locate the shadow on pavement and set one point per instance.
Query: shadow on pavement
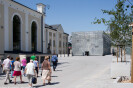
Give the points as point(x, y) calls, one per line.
point(38, 86)
point(62, 63)
point(54, 83)
point(54, 76)
point(22, 82)
point(58, 70)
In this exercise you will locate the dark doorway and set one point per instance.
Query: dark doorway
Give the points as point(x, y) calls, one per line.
point(16, 34)
point(34, 36)
point(87, 53)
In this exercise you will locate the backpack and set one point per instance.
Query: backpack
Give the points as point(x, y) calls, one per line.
point(54, 59)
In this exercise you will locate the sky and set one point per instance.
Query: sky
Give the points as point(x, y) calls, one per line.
point(74, 15)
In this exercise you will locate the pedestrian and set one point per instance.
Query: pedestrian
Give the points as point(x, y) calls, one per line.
point(17, 70)
point(54, 60)
point(33, 57)
point(6, 69)
point(12, 67)
point(46, 71)
point(23, 63)
point(30, 72)
point(36, 66)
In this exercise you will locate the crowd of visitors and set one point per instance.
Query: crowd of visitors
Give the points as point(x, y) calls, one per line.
point(30, 70)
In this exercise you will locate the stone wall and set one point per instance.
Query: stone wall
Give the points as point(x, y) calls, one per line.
point(94, 42)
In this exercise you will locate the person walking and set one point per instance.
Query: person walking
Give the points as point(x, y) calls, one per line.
point(30, 72)
point(46, 70)
point(36, 66)
point(12, 67)
point(17, 70)
point(33, 57)
point(54, 60)
point(6, 68)
point(23, 62)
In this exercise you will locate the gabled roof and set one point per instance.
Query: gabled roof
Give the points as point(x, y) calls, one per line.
point(56, 26)
point(50, 27)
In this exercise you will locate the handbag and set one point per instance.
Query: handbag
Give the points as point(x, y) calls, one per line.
point(34, 80)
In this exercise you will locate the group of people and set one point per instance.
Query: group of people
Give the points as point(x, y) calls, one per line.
point(29, 70)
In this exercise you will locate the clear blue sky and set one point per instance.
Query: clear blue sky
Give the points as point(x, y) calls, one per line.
point(74, 15)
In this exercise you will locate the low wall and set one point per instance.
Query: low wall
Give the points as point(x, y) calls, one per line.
point(64, 55)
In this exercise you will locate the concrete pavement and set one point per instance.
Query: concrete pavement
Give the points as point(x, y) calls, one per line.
point(75, 72)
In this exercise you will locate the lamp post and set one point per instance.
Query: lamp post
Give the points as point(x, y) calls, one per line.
point(132, 55)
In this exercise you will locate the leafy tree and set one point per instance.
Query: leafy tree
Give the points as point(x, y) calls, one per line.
point(118, 24)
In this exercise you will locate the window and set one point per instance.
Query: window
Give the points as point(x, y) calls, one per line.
point(16, 33)
point(54, 43)
point(59, 35)
point(60, 51)
point(63, 44)
point(50, 42)
point(54, 34)
point(54, 51)
point(50, 33)
point(59, 43)
point(66, 39)
point(66, 44)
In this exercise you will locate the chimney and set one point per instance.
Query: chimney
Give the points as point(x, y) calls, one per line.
point(41, 8)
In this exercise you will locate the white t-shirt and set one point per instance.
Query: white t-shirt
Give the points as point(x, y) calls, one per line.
point(6, 63)
point(30, 68)
point(17, 66)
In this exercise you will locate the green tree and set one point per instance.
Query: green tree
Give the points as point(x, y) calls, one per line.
point(118, 24)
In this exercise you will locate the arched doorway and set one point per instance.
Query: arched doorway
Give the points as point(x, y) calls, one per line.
point(16, 33)
point(34, 36)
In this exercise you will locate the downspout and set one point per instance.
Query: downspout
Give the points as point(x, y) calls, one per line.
point(42, 31)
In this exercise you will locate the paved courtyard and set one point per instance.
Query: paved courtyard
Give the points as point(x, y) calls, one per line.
point(75, 72)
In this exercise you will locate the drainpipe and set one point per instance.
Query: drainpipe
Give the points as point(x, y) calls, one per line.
point(42, 31)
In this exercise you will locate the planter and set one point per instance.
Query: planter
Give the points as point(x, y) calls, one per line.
point(120, 69)
point(119, 59)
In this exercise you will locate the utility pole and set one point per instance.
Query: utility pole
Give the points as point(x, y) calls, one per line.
point(132, 55)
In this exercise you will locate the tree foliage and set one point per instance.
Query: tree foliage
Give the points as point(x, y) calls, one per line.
point(118, 24)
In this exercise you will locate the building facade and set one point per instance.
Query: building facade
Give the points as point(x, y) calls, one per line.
point(93, 43)
point(57, 38)
point(22, 29)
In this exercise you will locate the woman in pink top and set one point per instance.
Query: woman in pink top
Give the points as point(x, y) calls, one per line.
point(23, 62)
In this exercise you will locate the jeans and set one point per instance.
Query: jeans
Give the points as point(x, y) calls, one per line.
point(23, 68)
point(12, 73)
point(54, 65)
point(36, 68)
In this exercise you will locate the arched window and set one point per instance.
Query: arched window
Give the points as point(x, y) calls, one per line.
point(16, 33)
point(34, 36)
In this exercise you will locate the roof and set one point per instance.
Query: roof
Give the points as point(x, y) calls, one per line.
point(54, 27)
point(25, 6)
point(66, 33)
point(50, 27)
